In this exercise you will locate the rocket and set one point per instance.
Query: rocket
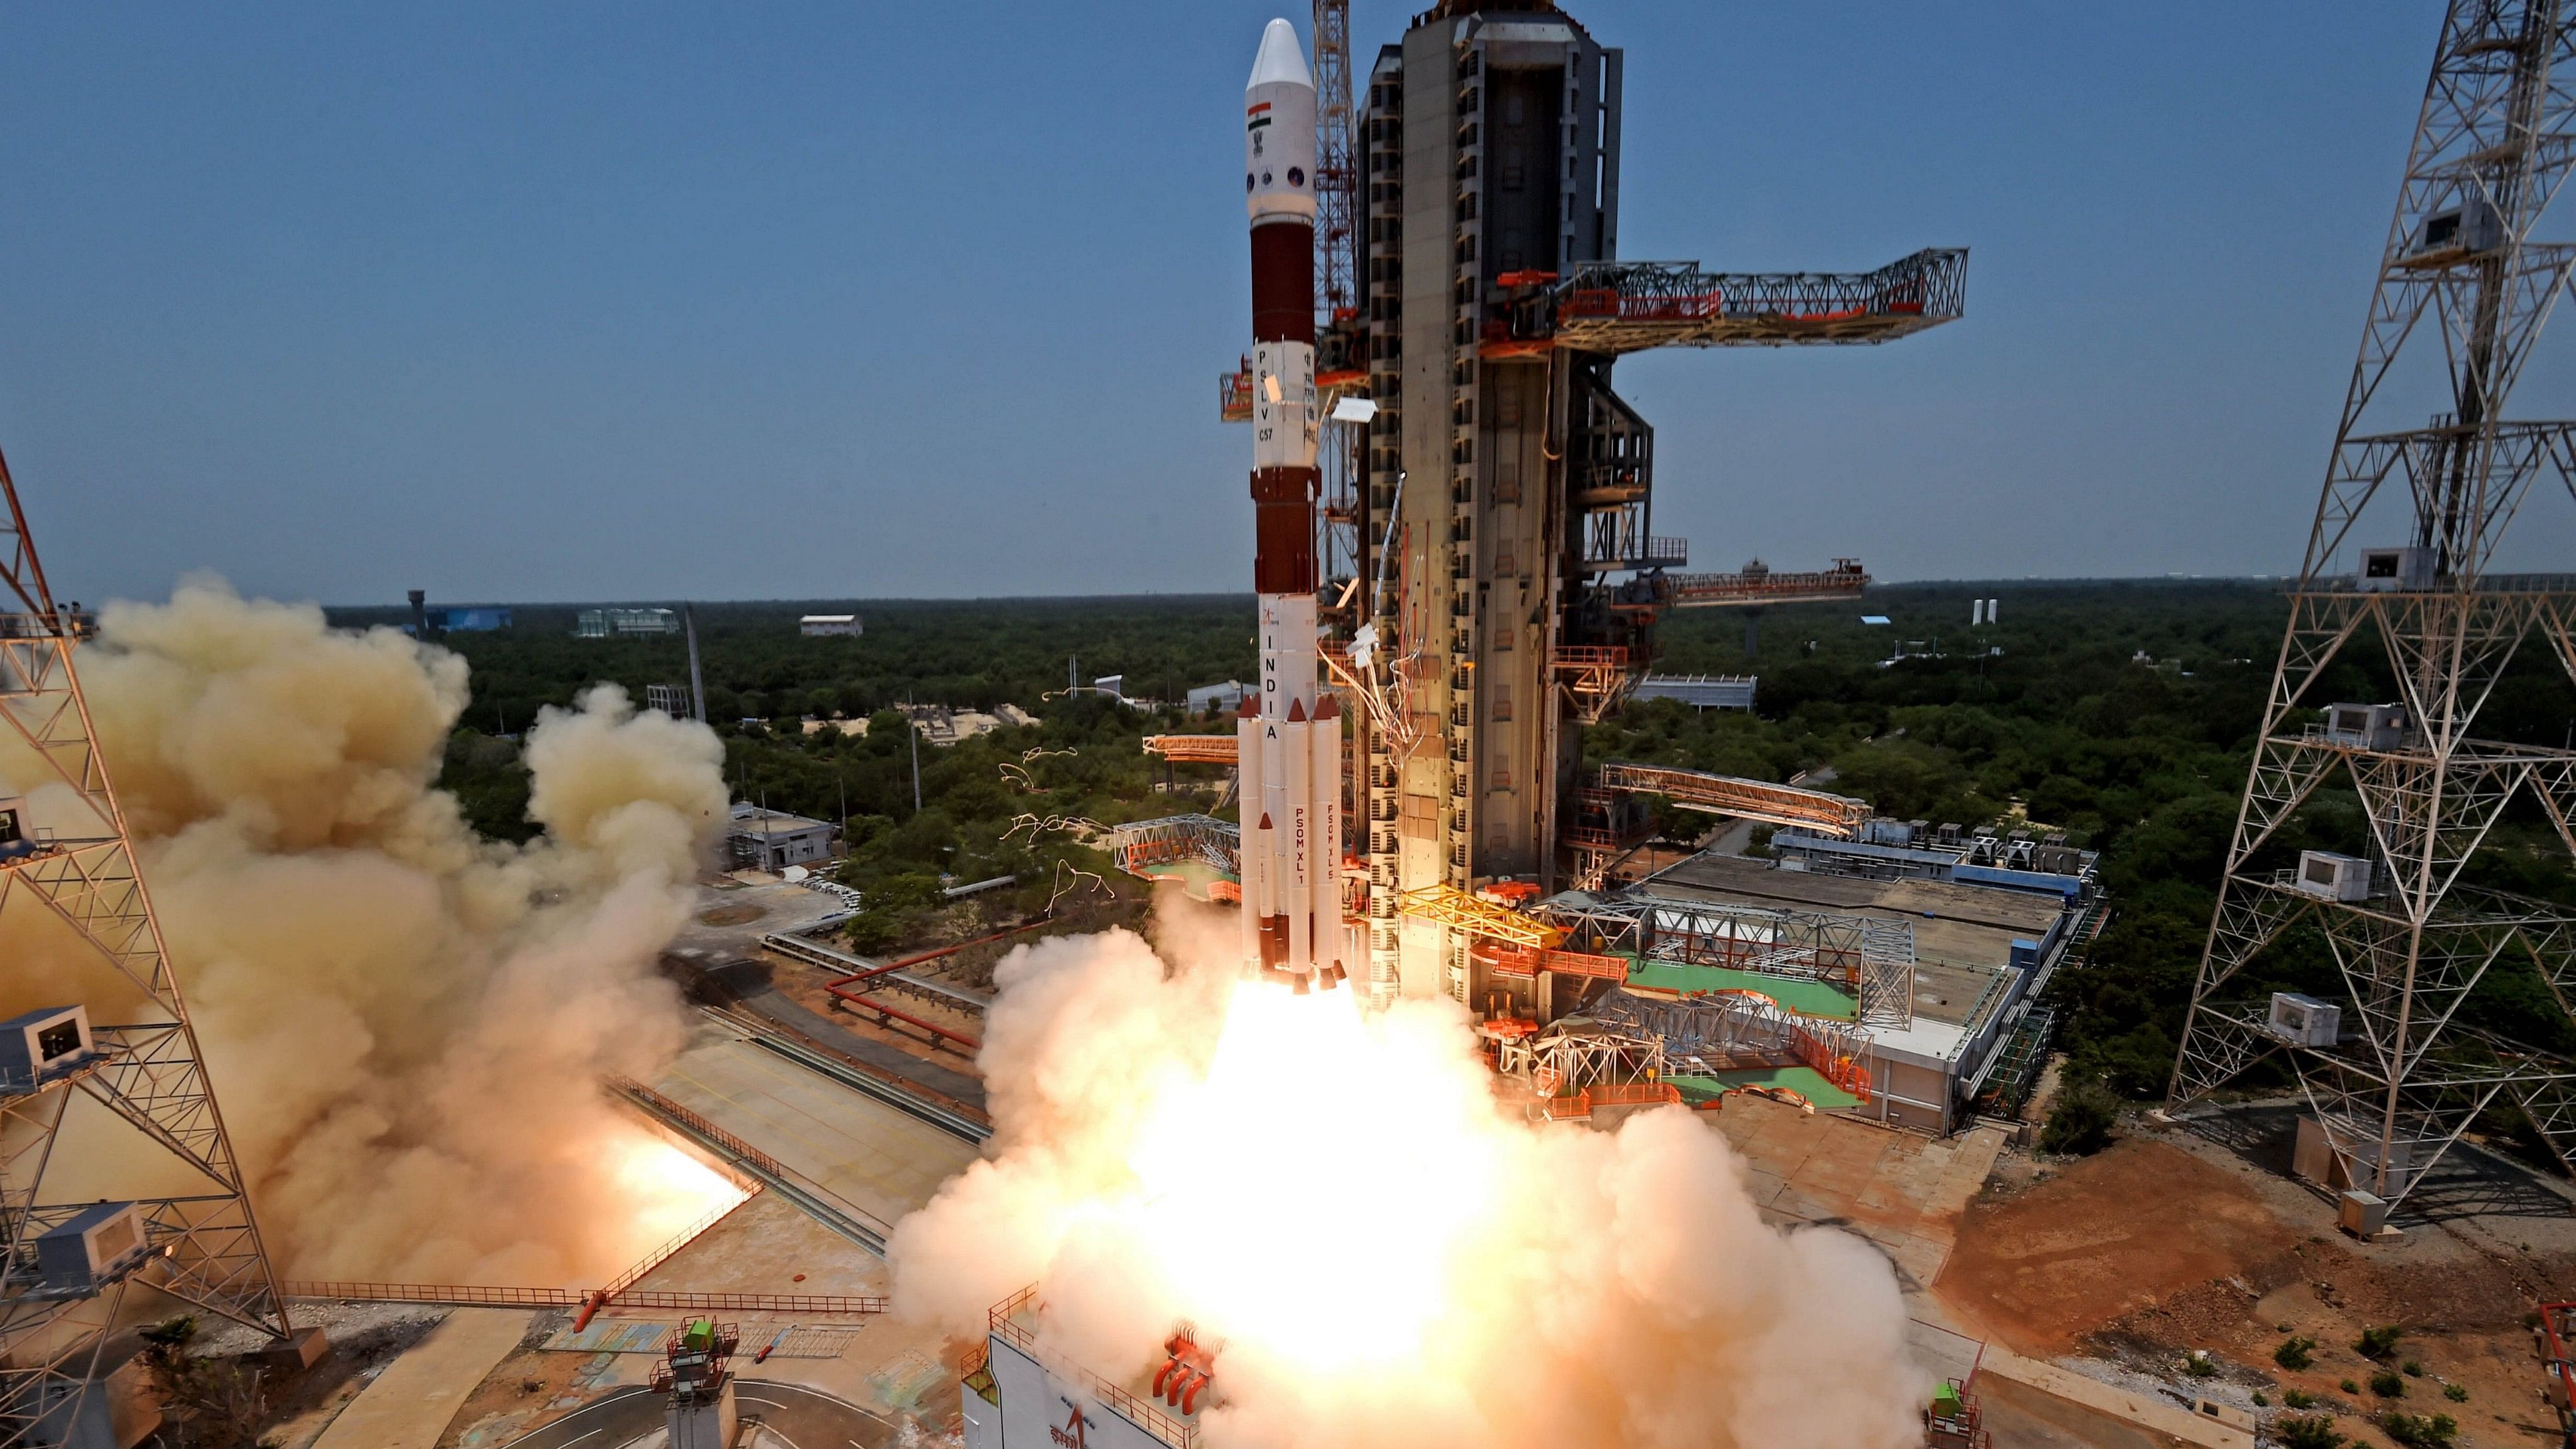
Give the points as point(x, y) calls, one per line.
point(1289, 736)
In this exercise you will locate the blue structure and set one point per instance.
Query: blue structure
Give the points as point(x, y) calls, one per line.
point(459, 621)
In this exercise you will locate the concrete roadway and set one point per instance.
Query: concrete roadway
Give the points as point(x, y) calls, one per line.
point(802, 1417)
point(882, 1161)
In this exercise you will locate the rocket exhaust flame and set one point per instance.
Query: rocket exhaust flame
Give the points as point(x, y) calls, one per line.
point(1387, 1258)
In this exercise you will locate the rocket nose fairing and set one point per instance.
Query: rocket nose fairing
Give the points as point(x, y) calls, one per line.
point(1290, 735)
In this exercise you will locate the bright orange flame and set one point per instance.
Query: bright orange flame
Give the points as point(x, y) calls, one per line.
point(669, 1190)
point(1308, 1197)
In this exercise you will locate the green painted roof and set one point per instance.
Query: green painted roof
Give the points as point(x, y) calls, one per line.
point(1195, 875)
point(1805, 1081)
point(1806, 998)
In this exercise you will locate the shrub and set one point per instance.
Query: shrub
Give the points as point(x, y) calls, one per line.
point(2456, 1393)
point(2378, 1342)
point(2298, 1398)
point(2199, 1365)
point(2080, 1124)
point(207, 1403)
point(2413, 1370)
point(2293, 1353)
point(2262, 1400)
point(2306, 1431)
point(2388, 1385)
point(2350, 1387)
point(2435, 1431)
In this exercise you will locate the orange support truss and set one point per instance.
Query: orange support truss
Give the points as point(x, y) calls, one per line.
point(1193, 749)
point(1531, 960)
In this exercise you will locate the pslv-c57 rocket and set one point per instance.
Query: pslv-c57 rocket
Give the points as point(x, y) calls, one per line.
point(1290, 735)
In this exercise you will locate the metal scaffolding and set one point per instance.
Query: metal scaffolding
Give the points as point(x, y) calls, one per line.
point(2463, 280)
point(1217, 844)
point(1735, 1030)
point(1838, 816)
point(77, 877)
point(1614, 307)
point(1871, 959)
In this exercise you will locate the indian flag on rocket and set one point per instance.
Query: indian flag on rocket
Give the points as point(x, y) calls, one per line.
point(1256, 117)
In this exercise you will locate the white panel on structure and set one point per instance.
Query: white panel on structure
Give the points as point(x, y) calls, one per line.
point(1041, 1411)
point(2332, 877)
point(2304, 1020)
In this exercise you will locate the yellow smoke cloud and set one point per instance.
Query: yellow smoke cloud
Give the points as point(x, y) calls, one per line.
point(406, 1024)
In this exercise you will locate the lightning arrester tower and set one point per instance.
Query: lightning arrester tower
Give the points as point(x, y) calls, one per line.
point(153, 1197)
point(2390, 1073)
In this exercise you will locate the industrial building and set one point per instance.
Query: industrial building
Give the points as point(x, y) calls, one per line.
point(765, 839)
point(830, 626)
point(426, 621)
point(625, 623)
point(1979, 951)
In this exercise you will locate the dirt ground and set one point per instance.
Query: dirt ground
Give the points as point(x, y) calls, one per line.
point(2180, 1241)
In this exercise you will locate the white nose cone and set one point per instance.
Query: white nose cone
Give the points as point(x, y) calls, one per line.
point(1281, 59)
point(1279, 130)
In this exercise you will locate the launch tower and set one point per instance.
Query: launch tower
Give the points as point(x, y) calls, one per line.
point(1507, 578)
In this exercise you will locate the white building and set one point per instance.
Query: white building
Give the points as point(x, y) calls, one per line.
point(1217, 697)
point(826, 626)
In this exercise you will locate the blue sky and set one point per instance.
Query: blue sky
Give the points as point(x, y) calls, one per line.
point(573, 302)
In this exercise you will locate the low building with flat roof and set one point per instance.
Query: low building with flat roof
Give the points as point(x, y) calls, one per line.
point(764, 839)
point(1980, 953)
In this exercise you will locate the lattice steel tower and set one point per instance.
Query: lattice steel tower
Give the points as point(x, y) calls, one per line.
point(151, 1194)
point(2391, 1077)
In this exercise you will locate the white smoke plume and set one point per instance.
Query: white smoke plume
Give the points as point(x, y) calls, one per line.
point(406, 1024)
point(1388, 1258)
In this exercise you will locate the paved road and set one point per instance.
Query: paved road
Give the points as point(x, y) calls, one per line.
point(883, 1161)
point(749, 981)
point(806, 1418)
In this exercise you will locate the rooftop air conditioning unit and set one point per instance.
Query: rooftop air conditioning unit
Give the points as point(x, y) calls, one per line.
point(2367, 726)
point(88, 1251)
point(2470, 228)
point(2304, 1020)
point(2395, 570)
point(2332, 877)
point(38, 1043)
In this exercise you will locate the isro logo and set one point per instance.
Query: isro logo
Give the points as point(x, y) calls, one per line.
point(1070, 1436)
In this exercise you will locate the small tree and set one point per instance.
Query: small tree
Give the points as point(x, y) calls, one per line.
point(2378, 1342)
point(2293, 1353)
point(2080, 1124)
point(2426, 1431)
point(2306, 1431)
point(206, 1404)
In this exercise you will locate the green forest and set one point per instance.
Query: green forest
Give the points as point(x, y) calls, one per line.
point(2120, 712)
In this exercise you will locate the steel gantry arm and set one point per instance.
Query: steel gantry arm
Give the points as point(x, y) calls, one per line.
point(1839, 816)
